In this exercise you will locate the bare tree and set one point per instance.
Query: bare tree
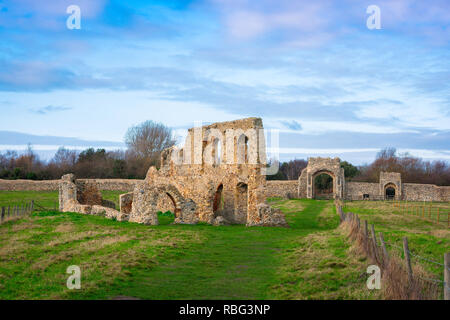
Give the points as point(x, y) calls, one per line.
point(65, 157)
point(148, 139)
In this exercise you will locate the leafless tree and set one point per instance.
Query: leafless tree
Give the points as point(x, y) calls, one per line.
point(148, 139)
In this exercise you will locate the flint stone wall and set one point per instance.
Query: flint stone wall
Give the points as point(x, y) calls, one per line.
point(409, 191)
point(357, 190)
point(29, 185)
point(222, 191)
point(284, 189)
point(425, 192)
point(82, 197)
point(126, 185)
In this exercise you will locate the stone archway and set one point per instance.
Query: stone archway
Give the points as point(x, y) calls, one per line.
point(390, 191)
point(318, 166)
point(390, 180)
point(316, 191)
point(241, 203)
point(145, 204)
point(218, 200)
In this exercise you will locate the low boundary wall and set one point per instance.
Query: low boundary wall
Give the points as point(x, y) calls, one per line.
point(53, 185)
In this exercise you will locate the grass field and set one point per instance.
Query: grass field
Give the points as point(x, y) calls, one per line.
point(426, 238)
point(309, 260)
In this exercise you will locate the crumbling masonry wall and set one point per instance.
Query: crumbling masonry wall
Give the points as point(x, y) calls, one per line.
point(82, 197)
point(218, 177)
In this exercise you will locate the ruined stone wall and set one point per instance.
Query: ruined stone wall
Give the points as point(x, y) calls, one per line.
point(356, 190)
point(425, 192)
point(84, 197)
point(217, 177)
point(444, 191)
point(284, 189)
point(29, 185)
point(125, 185)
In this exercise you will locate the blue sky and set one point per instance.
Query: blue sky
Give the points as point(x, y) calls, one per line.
point(311, 69)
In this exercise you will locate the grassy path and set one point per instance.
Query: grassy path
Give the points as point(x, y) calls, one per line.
point(231, 263)
point(307, 260)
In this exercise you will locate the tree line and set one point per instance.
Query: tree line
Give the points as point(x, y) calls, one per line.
point(144, 145)
point(146, 141)
point(412, 169)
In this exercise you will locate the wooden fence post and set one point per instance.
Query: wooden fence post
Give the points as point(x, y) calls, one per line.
point(366, 236)
point(384, 249)
point(374, 242)
point(2, 217)
point(438, 216)
point(447, 276)
point(407, 258)
point(365, 230)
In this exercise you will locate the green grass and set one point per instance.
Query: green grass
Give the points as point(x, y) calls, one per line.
point(180, 261)
point(112, 196)
point(425, 238)
point(48, 199)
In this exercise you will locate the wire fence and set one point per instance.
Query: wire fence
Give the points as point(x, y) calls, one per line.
point(402, 279)
point(23, 209)
point(427, 211)
point(16, 212)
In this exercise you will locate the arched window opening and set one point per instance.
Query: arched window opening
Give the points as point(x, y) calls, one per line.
point(217, 151)
point(242, 149)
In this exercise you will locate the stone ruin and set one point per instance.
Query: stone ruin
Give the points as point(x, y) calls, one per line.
point(316, 167)
point(218, 177)
point(83, 197)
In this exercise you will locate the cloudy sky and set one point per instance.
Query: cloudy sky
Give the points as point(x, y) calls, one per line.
point(311, 69)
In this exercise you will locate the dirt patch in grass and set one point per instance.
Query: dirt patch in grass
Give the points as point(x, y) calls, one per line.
point(25, 225)
point(97, 244)
point(73, 236)
point(65, 228)
point(441, 233)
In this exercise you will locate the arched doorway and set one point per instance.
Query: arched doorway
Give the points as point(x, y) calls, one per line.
point(145, 204)
point(390, 191)
point(241, 203)
point(218, 200)
point(167, 209)
point(323, 185)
